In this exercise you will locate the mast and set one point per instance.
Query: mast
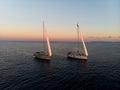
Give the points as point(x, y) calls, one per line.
point(43, 37)
point(48, 42)
point(77, 36)
point(84, 46)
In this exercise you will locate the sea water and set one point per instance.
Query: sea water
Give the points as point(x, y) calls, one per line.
point(20, 71)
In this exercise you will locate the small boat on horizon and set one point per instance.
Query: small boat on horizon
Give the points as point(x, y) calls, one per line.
point(42, 54)
point(79, 54)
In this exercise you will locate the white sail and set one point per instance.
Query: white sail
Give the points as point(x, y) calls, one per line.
point(84, 46)
point(48, 42)
point(49, 47)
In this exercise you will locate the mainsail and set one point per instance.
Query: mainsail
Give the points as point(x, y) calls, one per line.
point(48, 42)
point(84, 46)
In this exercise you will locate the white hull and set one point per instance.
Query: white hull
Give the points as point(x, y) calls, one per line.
point(42, 56)
point(77, 56)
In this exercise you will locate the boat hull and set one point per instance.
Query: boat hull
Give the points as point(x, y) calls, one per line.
point(77, 56)
point(42, 56)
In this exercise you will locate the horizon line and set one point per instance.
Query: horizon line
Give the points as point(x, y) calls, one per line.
point(61, 41)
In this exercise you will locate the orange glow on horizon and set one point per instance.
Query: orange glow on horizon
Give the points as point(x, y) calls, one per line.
point(68, 35)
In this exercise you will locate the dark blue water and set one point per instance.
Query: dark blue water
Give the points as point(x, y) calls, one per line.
point(20, 71)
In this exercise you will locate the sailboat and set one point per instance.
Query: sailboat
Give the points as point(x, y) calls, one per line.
point(79, 54)
point(42, 54)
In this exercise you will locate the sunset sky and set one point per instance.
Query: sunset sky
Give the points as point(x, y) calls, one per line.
point(99, 20)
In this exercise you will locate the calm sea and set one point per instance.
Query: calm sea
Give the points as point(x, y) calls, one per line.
point(20, 71)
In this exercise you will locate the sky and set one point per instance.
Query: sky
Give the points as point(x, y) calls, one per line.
point(99, 20)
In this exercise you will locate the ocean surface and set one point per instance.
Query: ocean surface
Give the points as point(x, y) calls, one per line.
point(20, 71)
